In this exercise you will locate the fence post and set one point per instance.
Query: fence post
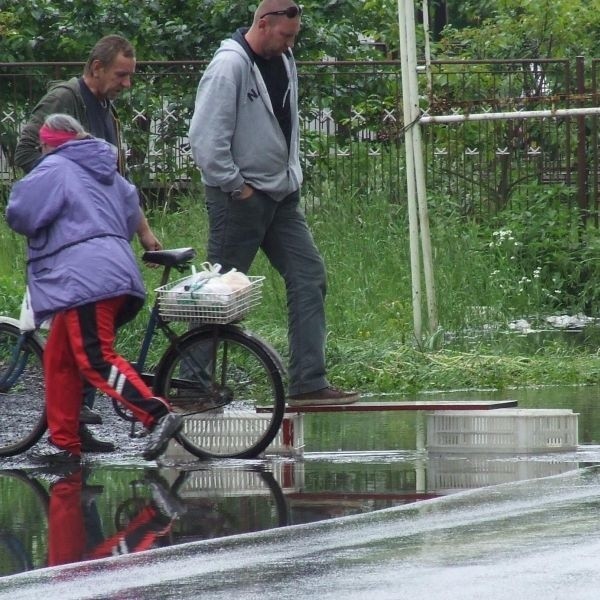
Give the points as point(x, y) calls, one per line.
point(582, 168)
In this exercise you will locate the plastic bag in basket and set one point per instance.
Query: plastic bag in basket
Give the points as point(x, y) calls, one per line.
point(185, 290)
point(235, 280)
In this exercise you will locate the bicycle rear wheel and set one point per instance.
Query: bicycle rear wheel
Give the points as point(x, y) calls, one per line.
point(22, 401)
point(229, 367)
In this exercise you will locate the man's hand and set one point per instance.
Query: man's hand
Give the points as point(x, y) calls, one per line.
point(147, 238)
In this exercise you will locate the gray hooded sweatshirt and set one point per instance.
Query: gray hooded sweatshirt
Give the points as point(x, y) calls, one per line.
point(234, 134)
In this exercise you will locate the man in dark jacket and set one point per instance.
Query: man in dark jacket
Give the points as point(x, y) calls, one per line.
point(88, 99)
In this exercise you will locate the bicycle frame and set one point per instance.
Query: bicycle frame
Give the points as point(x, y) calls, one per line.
point(207, 365)
point(155, 321)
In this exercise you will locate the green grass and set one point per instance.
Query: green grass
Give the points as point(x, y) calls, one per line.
point(371, 344)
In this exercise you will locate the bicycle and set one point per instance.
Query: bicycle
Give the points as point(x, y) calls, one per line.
point(216, 369)
point(212, 511)
point(159, 508)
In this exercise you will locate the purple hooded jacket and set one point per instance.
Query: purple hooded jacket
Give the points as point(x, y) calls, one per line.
point(79, 216)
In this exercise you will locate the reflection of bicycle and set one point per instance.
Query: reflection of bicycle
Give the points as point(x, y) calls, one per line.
point(210, 503)
point(28, 501)
point(39, 528)
point(215, 373)
point(67, 523)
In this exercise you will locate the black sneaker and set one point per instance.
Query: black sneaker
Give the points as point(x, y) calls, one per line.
point(159, 437)
point(53, 473)
point(189, 400)
point(88, 416)
point(89, 443)
point(48, 453)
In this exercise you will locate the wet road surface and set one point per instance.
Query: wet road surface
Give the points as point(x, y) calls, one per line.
point(523, 540)
point(339, 523)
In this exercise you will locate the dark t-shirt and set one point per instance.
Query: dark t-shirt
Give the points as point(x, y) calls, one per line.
point(100, 120)
point(277, 82)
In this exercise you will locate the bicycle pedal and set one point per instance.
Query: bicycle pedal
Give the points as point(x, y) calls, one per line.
point(135, 435)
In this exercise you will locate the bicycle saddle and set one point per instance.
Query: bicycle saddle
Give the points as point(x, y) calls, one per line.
point(169, 258)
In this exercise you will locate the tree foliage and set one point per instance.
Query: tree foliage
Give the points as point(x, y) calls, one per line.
point(524, 29)
point(46, 30)
point(65, 30)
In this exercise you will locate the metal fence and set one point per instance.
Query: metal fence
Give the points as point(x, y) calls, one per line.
point(353, 132)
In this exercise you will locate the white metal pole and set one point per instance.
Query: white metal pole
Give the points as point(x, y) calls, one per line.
point(425, 9)
point(521, 114)
point(413, 219)
point(417, 147)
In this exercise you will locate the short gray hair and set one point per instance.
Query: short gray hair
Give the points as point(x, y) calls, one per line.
point(63, 122)
point(106, 51)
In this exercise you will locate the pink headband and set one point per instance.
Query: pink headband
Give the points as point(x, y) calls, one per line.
point(54, 138)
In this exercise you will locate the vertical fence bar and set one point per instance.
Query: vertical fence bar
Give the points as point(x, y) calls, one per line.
point(582, 166)
point(595, 192)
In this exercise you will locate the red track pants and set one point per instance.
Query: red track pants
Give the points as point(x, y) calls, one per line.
point(81, 346)
point(67, 535)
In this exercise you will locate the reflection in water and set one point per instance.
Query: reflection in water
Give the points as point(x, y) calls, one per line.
point(54, 518)
point(49, 518)
point(75, 530)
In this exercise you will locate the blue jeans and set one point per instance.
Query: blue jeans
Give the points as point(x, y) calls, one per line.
point(238, 228)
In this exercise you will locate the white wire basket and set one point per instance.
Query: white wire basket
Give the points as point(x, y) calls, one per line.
point(175, 303)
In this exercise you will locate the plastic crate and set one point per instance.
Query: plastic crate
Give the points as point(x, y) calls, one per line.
point(176, 303)
point(227, 481)
point(230, 434)
point(450, 473)
point(503, 430)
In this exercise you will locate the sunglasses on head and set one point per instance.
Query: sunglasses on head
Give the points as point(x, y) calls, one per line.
point(291, 12)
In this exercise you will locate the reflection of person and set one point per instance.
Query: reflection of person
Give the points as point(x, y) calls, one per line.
point(70, 541)
point(88, 98)
point(79, 216)
point(244, 137)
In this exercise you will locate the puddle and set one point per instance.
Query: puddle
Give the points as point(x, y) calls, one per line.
point(353, 464)
point(101, 511)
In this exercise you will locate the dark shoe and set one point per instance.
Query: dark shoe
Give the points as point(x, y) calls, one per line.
point(166, 504)
point(89, 493)
point(159, 437)
point(87, 416)
point(190, 400)
point(328, 396)
point(55, 473)
point(91, 444)
point(48, 453)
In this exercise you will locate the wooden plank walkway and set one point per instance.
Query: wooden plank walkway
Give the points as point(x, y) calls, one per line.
point(406, 405)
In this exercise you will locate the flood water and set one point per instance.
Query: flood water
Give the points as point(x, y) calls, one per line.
point(353, 464)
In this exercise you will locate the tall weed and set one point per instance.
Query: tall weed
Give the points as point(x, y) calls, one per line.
point(533, 260)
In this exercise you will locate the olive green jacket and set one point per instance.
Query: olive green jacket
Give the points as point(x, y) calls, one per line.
point(62, 97)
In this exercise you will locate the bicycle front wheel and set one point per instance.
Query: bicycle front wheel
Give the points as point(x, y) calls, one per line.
point(232, 370)
point(22, 401)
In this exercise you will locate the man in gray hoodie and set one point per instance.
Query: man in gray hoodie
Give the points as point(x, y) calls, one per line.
point(244, 136)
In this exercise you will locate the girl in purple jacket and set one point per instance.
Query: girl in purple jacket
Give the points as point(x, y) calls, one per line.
point(79, 216)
